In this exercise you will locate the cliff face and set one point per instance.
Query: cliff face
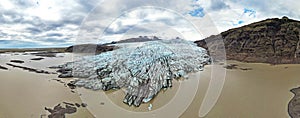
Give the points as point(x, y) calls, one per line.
point(273, 41)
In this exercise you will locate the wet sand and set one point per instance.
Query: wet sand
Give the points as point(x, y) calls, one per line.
point(24, 94)
point(263, 92)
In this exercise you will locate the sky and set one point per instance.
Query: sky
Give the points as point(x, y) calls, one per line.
point(56, 23)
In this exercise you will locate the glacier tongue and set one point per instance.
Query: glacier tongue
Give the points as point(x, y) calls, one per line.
point(143, 70)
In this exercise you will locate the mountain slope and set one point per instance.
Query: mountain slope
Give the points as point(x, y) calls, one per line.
point(273, 41)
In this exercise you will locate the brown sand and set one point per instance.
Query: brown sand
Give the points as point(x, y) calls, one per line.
point(263, 91)
point(25, 94)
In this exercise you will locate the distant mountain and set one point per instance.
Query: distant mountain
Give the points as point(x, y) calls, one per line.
point(273, 41)
point(99, 48)
point(90, 48)
point(139, 39)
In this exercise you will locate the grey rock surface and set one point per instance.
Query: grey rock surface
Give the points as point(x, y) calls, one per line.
point(293, 106)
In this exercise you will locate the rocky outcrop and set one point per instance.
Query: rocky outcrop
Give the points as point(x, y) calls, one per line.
point(274, 41)
point(60, 112)
point(30, 69)
point(37, 59)
point(231, 66)
point(293, 107)
point(3, 68)
point(17, 61)
point(143, 70)
point(45, 53)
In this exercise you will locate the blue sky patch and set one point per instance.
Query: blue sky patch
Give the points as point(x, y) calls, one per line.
point(237, 23)
point(251, 12)
point(197, 12)
point(240, 22)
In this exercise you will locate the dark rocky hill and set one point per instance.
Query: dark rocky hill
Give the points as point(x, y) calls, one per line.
point(273, 41)
point(90, 48)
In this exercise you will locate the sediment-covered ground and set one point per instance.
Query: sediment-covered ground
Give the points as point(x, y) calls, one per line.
point(262, 91)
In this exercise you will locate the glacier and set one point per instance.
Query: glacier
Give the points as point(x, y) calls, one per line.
point(141, 69)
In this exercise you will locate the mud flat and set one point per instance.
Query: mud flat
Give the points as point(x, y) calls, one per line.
point(25, 94)
point(262, 91)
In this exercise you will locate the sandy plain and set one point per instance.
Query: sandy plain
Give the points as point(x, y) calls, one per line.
point(261, 92)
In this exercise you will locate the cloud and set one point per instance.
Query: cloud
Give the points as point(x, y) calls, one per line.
point(218, 5)
point(149, 21)
point(55, 22)
point(54, 34)
point(33, 30)
point(248, 11)
point(55, 40)
point(35, 21)
point(18, 43)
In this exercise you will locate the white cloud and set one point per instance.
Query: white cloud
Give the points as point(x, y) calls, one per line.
point(32, 20)
point(133, 14)
point(6, 4)
point(230, 17)
point(152, 21)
